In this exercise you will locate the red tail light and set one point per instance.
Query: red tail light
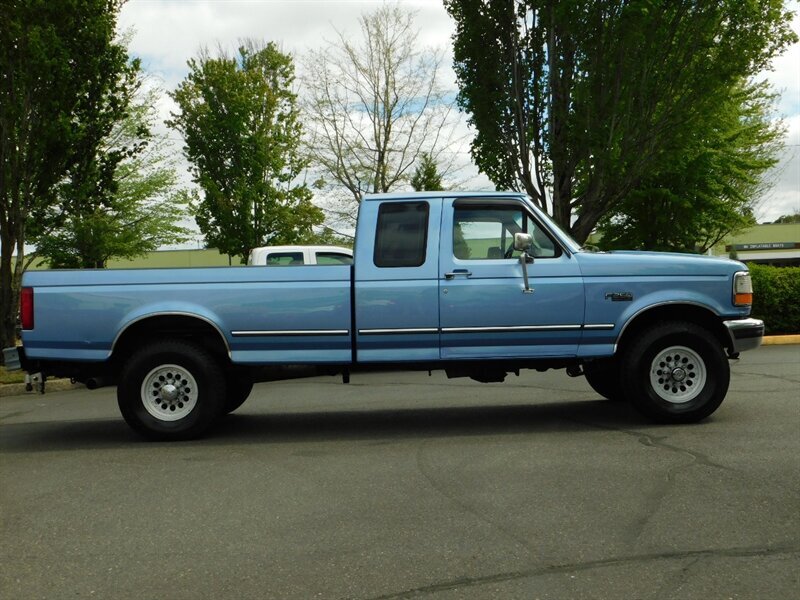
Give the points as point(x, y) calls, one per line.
point(26, 308)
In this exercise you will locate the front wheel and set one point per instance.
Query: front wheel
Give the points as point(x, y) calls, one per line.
point(171, 390)
point(675, 372)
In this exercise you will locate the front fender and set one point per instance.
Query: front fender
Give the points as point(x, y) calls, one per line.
point(613, 303)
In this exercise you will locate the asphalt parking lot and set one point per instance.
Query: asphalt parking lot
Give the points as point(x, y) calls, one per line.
point(402, 485)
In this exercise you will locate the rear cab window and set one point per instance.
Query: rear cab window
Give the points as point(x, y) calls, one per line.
point(401, 236)
point(284, 259)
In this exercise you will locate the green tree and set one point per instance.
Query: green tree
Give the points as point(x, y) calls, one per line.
point(426, 176)
point(135, 212)
point(239, 120)
point(576, 102)
point(59, 67)
point(704, 191)
point(325, 236)
point(792, 218)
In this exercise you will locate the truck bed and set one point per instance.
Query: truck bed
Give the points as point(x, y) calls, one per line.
point(293, 314)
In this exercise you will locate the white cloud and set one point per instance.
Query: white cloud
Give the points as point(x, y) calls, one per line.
point(167, 33)
point(785, 73)
point(784, 197)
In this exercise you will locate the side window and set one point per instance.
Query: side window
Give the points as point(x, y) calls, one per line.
point(401, 235)
point(333, 258)
point(487, 233)
point(283, 259)
point(543, 245)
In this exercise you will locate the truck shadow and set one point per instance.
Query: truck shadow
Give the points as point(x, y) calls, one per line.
point(393, 424)
point(383, 425)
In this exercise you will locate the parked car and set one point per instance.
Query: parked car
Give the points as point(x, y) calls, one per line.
point(284, 256)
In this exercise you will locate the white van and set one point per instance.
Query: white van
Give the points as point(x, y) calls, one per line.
point(282, 256)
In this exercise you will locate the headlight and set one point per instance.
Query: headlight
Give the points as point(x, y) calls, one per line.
point(742, 289)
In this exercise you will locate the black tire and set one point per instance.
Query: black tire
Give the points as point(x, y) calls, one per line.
point(604, 377)
point(675, 372)
point(239, 384)
point(171, 390)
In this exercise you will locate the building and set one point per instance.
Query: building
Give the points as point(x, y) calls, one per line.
point(776, 244)
point(167, 259)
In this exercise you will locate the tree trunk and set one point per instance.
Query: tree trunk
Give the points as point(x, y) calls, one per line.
point(561, 63)
point(9, 296)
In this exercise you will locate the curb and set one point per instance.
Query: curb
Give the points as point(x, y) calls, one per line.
point(281, 373)
point(777, 340)
point(52, 385)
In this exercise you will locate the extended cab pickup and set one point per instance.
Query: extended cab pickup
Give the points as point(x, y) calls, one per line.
point(477, 284)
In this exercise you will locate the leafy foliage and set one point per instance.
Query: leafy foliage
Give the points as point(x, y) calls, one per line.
point(426, 176)
point(578, 102)
point(60, 87)
point(792, 218)
point(131, 213)
point(775, 294)
point(325, 236)
point(239, 120)
point(702, 192)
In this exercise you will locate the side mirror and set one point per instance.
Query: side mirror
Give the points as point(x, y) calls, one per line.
point(523, 241)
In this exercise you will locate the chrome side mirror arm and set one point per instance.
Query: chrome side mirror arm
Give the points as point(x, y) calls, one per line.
point(523, 242)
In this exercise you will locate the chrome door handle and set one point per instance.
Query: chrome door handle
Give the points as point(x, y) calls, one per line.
point(455, 272)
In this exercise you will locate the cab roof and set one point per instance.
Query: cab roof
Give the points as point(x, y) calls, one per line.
point(438, 194)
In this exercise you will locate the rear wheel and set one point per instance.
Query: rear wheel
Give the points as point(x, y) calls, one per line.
point(171, 390)
point(675, 372)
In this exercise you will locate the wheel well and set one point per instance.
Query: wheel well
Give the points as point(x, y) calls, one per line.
point(692, 313)
point(169, 326)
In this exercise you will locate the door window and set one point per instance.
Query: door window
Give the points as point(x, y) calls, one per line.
point(487, 233)
point(333, 258)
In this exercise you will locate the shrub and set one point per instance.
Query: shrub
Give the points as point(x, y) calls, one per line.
point(776, 297)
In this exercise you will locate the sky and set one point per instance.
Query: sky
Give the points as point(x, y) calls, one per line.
point(167, 33)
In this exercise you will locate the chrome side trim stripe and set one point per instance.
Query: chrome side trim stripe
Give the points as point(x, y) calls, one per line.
point(512, 329)
point(293, 332)
point(400, 331)
point(423, 330)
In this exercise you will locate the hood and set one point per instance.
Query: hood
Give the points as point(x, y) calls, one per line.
point(628, 262)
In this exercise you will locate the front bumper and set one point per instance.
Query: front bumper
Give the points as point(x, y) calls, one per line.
point(746, 334)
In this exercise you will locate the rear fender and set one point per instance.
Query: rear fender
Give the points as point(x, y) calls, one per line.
point(172, 309)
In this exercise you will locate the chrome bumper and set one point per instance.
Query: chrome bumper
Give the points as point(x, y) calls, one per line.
point(746, 334)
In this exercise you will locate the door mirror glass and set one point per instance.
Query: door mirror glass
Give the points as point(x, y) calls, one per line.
point(522, 241)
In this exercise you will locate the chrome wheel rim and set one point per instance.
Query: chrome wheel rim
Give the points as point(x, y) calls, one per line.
point(169, 392)
point(678, 374)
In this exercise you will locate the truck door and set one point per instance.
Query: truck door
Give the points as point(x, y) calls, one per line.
point(396, 280)
point(485, 311)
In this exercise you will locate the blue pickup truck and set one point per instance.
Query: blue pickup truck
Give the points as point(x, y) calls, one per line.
point(477, 284)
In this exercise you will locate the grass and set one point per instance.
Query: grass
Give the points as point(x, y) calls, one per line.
point(11, 376)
